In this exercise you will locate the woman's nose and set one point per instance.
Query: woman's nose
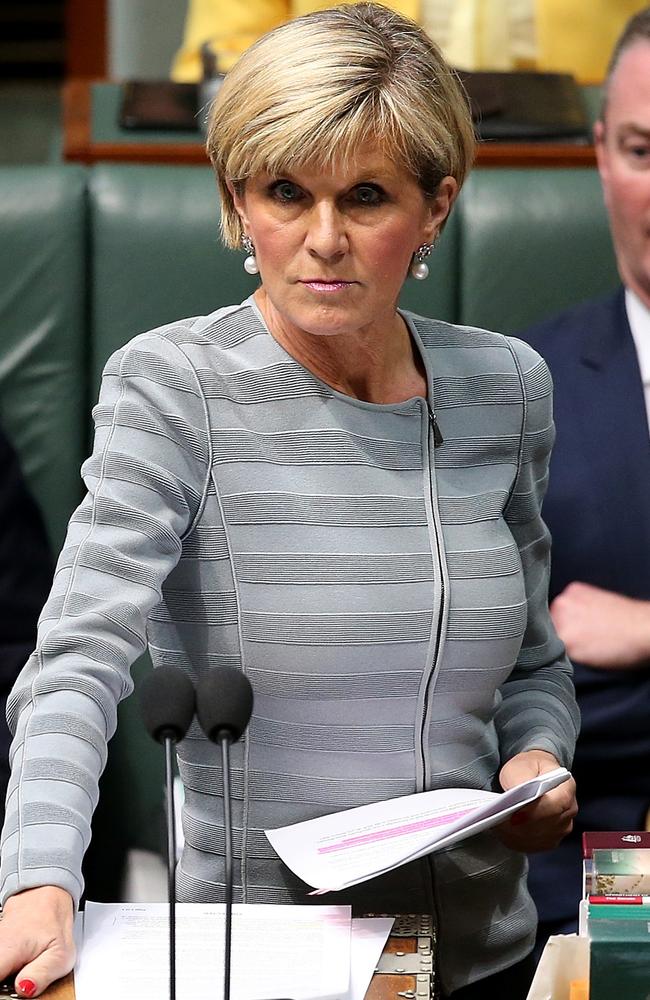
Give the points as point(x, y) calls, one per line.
point(326, 235)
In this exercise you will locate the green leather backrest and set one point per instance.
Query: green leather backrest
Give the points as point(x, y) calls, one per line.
point(43, 331)
point(532, 242)
point(157, 256)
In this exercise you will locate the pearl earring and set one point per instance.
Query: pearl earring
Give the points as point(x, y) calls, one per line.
point(250, 263)
point(420, 270)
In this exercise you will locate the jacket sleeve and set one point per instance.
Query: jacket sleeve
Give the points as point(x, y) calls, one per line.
point(25, 578)
point(538, 708)
point(146, 481)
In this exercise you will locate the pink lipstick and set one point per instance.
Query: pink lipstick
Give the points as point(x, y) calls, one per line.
point(327, 286)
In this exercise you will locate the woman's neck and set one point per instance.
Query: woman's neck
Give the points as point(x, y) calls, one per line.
point(378, 365)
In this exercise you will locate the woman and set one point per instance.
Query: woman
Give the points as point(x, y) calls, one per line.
point(274, 489)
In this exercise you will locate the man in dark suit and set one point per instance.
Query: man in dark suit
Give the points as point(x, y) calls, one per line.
point(598, 504)
point(25, 579)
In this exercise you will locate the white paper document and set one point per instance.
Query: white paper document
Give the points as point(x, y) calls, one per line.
point(369, 935)
point(344, 848)
point(297, 952)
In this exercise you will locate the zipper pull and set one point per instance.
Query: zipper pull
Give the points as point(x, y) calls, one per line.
point(437, 436)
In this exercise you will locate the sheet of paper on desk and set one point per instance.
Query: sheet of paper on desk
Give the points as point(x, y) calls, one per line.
point(302, 952)
point(344, 848)
point(369, 935)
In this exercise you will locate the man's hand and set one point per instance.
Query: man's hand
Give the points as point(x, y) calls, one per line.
point(602, 629)
point(36, 940)
point(541, 825)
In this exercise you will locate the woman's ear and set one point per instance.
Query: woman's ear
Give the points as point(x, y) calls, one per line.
point(440, 207)
point(238, 195)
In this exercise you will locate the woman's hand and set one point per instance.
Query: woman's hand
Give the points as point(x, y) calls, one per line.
point(36, 939)
point(541, 825)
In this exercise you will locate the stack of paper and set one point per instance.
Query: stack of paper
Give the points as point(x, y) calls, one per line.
point(302, 952)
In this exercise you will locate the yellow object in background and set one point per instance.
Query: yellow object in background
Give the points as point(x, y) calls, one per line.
point(567, 36)
point(577, 36)
point(482, 34)
point(230, 26)
point(579, 989)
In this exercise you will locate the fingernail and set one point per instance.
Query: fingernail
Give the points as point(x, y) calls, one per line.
point(27, 987)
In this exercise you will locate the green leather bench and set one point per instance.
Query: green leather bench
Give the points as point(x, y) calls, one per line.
point(89, 258)
point(44, 331)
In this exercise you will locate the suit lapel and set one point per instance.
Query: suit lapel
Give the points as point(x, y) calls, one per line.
point(616, 422)
point(608, 350)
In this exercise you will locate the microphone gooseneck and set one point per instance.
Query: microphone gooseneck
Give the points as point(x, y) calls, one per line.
point(167, 705)
point(224, 703)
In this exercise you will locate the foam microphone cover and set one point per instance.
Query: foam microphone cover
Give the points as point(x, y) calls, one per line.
point(224, 702)
point(167, 703)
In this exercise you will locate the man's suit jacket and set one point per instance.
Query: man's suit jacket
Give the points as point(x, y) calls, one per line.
point(598, 511)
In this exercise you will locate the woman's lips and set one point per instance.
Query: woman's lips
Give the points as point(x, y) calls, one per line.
point(318, 285)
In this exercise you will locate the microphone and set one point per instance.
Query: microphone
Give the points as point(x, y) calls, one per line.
point(167, 703)
point(224, 703)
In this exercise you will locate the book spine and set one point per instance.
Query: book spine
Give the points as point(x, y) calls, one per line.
point(610, 899)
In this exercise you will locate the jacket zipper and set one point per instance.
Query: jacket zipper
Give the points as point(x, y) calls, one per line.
point(433, 431)
point(437, 434)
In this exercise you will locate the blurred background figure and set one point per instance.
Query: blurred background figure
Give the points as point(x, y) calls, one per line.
point(597, 504)
point(25, 579)
point(473, 34)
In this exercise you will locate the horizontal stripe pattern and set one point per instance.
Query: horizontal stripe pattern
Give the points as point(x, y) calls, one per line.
point(313, 447)
point(338, 630)
point(291, 508)
point(394, 684)
point(325, 568)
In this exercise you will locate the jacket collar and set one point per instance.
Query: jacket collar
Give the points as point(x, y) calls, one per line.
point(610, 336)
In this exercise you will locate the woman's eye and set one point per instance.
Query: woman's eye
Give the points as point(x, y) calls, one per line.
point(285, 191)
point(367, 194)
point(638, 153)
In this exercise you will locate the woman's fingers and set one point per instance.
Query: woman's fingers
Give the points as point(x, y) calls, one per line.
point(36, 939)
point(51, 964)
point(541, 825)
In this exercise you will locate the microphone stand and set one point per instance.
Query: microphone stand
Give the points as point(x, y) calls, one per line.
point(171, 862)
point(167, 705)
point(224, 702)
point(225, 738)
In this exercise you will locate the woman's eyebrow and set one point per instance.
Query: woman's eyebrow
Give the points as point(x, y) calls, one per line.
point(632, 129)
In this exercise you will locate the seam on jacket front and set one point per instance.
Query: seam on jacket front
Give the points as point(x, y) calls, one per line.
point(524, 418)
point(208, 430)
point(235, 584)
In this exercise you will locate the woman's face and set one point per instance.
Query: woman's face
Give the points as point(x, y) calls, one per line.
point(334, 246)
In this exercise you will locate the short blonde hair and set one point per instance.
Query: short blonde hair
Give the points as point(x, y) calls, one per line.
point(315, 89)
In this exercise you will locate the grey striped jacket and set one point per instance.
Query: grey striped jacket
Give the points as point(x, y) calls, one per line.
point(386, 598)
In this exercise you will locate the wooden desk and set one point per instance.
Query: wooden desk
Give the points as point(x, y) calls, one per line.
point(91, 133)
point(63, 989)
